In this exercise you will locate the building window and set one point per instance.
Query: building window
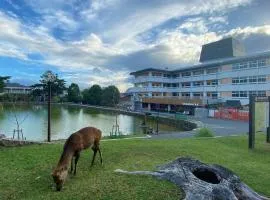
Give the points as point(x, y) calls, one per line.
point(175, 85)
point(235, 66)
point(253, 93)
point(158, 74)
point(166, 75)
point(175, 75)
point(212, 71)
point(198, 83)
point(239, 94)
point(262, 93)
point(243, 65)
point(186, 84)
point(262, 63)
point(185, 94)
point(212, 82)
point(253, 64)
point(198, 72)
point(243, 94)
point(213, 95)
point(156, 84)
point(235, 81)
point(243, 80)
point(198, 94)
point(235, 93)
point(175, 94)
point(253, 79)
point(262, 79)
point(186, 74)
point(166, 85)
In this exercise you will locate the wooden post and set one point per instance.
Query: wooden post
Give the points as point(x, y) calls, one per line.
point(268, 128)
point(251, 137)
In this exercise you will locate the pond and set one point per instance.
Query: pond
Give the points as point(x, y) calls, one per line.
point(66, 120)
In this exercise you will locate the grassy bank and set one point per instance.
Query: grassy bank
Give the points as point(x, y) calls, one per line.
point(25, 171)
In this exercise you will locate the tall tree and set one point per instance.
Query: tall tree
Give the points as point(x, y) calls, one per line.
point(92, 95)
point(74, 94)
point(110, 96)
point(3, 80)
point(57, 85)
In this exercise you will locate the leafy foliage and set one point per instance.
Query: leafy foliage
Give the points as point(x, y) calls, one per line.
point(93, 95)
point(40, 90)
point(3, 80)
point(74, 94)
point(57, 85)
point(110, 96)
point(205, 132)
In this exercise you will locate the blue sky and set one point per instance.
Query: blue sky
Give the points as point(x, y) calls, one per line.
point(102, 41)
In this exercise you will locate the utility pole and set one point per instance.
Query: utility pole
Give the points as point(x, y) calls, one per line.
point(49, 111)
point(50, 79)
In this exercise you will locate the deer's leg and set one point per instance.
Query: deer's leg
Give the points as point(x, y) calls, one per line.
point(77, 156)
point(100, 155)
point(71, 165)
point(94, 156)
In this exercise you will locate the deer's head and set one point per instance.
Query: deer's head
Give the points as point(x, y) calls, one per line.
point(59, 176)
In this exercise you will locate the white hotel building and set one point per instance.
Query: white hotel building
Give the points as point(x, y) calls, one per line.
point(225, 73)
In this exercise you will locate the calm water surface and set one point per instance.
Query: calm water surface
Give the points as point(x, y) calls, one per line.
point(66, 120)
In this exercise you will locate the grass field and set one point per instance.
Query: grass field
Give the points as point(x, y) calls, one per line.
point(25, 171)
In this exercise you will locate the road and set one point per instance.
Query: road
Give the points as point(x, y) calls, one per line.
point(218, 126)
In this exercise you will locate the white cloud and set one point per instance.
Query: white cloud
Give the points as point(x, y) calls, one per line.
point(249, 30)
point(117, 35)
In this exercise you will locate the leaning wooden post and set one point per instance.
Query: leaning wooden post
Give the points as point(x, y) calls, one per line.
point(268, 128)
point(251, 137)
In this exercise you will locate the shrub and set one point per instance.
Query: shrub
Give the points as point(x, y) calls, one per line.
point(204, 132)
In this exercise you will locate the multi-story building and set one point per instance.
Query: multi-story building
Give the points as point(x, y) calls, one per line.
point(16, 88)
point(225, 73)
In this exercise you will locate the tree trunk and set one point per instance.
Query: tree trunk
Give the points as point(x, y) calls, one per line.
point(202, 181)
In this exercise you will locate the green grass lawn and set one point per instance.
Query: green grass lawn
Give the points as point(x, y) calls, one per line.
point(26, 171)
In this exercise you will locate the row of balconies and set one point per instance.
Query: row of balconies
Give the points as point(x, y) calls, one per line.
point(221, 87)
point(220, 75)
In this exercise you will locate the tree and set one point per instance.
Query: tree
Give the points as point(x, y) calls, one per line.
point(92, 95)
point(3, 80)
point(57, 85)
point(74, 94)
point(110, 96)
point(37, 92)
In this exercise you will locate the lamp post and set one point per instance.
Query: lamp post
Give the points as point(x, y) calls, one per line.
point(50, 78)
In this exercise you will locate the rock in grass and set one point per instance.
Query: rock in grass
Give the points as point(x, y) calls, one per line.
point(201, 181)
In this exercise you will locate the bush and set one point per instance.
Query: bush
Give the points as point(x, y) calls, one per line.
point(204, 132)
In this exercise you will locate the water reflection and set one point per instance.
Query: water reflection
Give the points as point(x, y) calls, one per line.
point(66, 120)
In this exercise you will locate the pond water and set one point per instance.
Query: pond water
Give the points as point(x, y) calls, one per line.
point(66, 120)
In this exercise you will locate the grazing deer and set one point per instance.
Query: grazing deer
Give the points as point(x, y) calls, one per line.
point(82, 139)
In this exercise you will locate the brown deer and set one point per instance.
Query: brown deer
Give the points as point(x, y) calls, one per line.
point(82, 139)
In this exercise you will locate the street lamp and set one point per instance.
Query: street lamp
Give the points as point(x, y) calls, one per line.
point(50, 79)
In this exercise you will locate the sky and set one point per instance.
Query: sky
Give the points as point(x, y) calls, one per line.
point(101, 41)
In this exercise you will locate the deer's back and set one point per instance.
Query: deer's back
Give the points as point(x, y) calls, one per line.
point(84, 138)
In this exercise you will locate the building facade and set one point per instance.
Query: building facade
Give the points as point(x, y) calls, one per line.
point(15, 88)
point(212, 81)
